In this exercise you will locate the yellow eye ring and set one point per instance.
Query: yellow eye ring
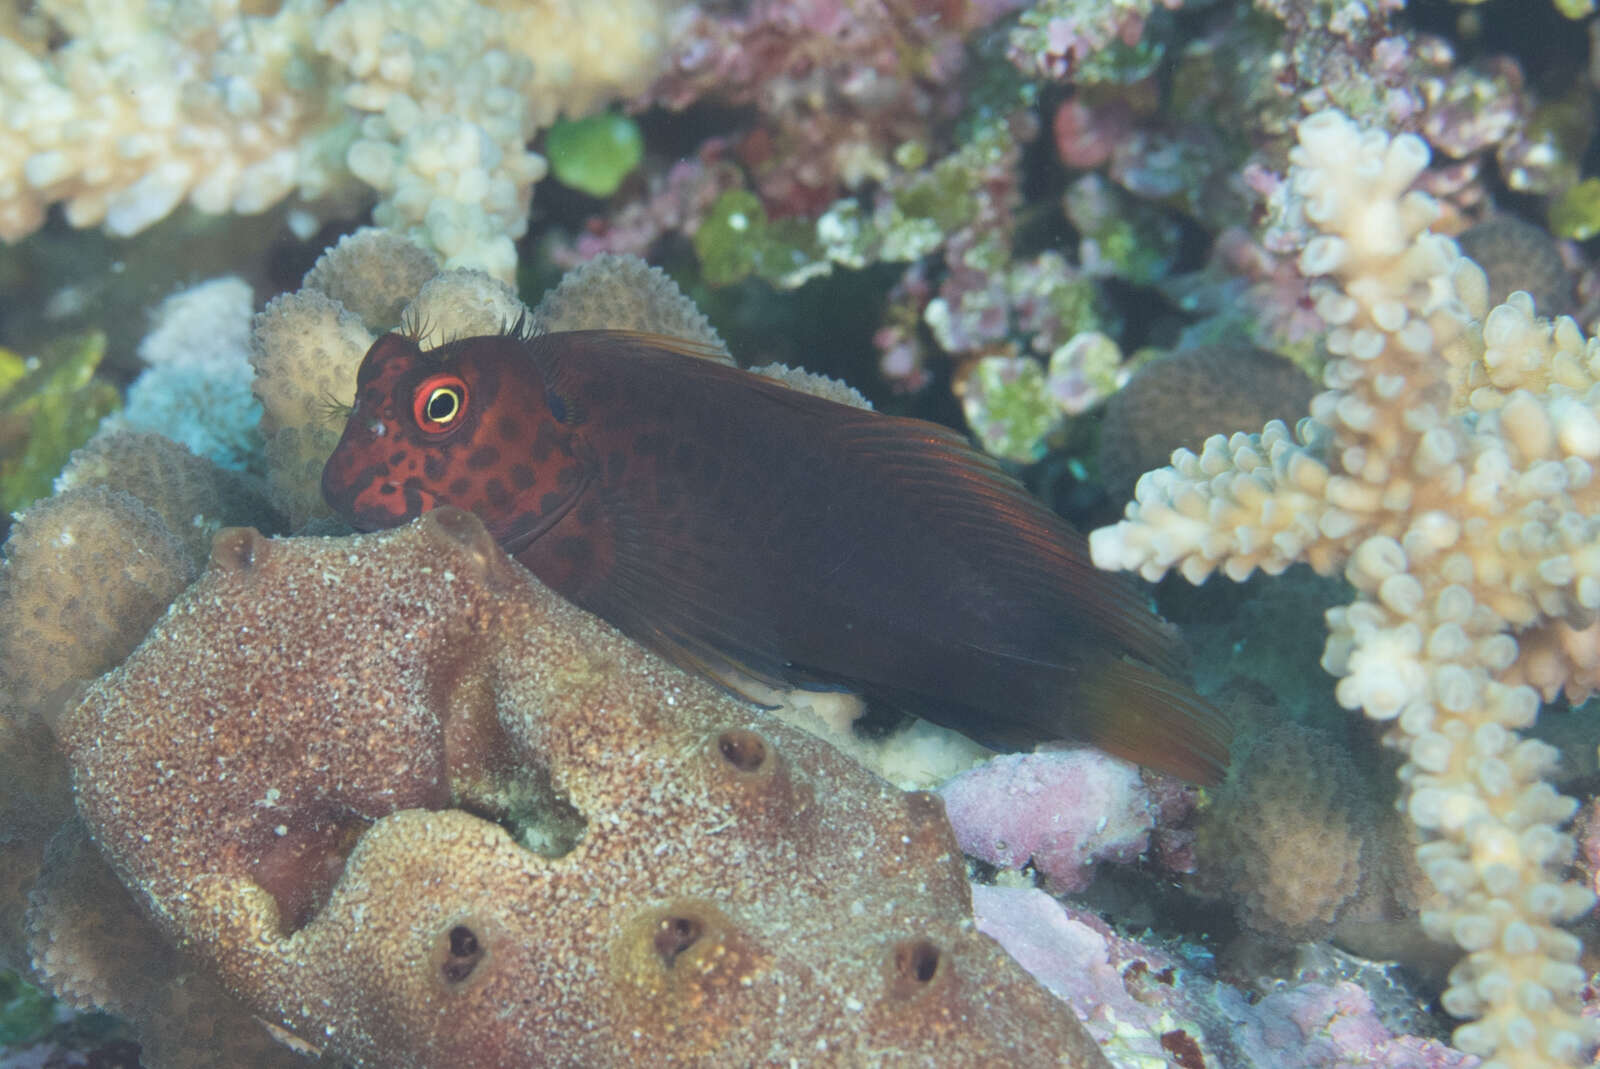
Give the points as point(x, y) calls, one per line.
point(439, 402)
point(443, 405)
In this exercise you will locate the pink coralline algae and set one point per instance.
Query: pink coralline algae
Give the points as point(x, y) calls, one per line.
point(1062, 810)
point(838, 86)
point(1329, 1026)
point(1060, 38)
point(1147, 1005)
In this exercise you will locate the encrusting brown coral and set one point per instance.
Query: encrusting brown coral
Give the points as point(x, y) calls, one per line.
point(66, 617)
point(423, 812)
point(1181, 399)
point(1516, 256)
point(1298, 842)
point(86, 573)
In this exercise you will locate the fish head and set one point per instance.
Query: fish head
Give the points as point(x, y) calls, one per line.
point(467, 424)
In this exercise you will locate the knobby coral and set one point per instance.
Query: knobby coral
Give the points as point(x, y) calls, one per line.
point(422, 812)
point(1449, 471)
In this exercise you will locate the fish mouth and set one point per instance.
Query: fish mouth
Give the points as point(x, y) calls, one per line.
point(364, 508)
point(526, 529)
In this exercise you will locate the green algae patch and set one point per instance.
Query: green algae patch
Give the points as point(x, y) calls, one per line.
point(1576, 213)
point(738, 240)
point(13, 369)
point(1009, 408)
point(26, 1013)
point(594, 155)
point(728, 239)
point(48, 412)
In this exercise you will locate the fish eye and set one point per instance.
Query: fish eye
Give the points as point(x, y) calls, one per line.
point(439, 401)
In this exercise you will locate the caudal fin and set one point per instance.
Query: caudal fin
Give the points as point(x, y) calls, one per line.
point(1136, 713)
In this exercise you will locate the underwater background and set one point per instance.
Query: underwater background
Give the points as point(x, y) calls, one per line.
point(1082, 234)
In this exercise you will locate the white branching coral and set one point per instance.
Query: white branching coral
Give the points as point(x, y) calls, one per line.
point(1449, 469)
point(429, 105)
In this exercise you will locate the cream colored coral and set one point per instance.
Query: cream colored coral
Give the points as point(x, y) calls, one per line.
point(1558, 658)
point(462, 304)
point(432, 105)
point(307, 346)
point(625, 293)
point(1449, 470)
point(373, 274)
point(149, 105)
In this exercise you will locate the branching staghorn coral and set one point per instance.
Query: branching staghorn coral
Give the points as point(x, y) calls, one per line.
point(429, 105)
point(1449, 471)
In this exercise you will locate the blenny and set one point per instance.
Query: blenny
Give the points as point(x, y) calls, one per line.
point(749, 530)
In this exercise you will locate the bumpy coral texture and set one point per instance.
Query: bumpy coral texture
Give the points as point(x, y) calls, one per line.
point(86, 574)
point(625, 293)
point(35, 799)
point(373, 274)
point(1520, 256)
point(1285, 836)
point(193, 496)
point(87, 571)
point(90, 944)
point(1184, 398)
point(65, 617)
point(424, 813)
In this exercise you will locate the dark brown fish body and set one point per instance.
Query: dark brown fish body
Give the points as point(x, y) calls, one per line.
point(743, 527)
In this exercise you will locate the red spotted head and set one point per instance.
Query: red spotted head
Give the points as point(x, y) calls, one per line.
point(468, 424)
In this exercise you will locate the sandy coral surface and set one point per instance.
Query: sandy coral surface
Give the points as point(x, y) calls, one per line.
point(401, 786)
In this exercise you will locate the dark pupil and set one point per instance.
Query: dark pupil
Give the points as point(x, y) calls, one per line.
point(442, 405)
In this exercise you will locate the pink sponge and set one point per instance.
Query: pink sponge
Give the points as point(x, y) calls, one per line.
point(1063, 809)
